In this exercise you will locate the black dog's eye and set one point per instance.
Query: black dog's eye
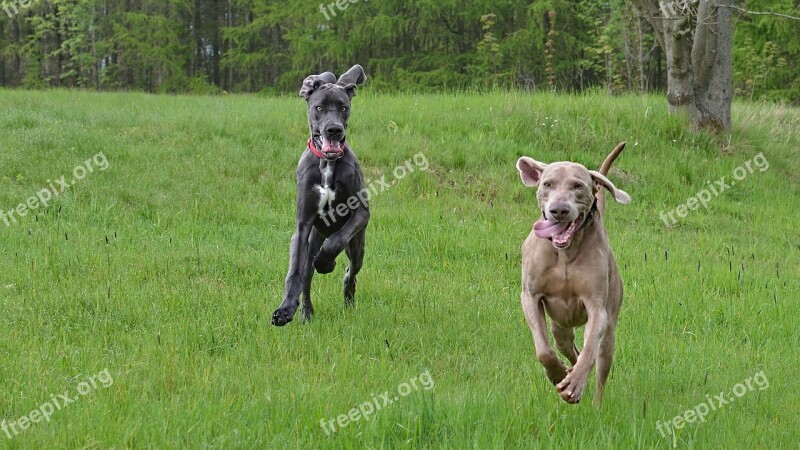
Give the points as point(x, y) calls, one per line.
point(319, 108)
point(344, 108)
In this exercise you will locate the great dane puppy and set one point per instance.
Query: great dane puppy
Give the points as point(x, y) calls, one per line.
point(569, 272)
point(332, 211)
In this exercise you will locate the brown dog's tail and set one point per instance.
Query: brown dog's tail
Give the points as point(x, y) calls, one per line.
point(601, 194)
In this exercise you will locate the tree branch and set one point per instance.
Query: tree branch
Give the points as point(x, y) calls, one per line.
point(761, 13)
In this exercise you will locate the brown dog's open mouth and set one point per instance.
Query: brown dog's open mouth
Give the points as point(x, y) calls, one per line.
point(561, 233)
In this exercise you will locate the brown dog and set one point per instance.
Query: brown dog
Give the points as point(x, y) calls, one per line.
point(569, 271)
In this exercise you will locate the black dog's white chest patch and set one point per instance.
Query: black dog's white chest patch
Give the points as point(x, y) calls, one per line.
point(327, 193)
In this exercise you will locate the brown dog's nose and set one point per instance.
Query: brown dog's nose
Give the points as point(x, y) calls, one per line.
point(559, 211)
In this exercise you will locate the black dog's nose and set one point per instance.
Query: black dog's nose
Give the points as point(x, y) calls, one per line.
point(333, 130)
point(559, 211)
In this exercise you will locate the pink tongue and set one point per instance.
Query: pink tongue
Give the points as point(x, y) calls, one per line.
point(546, 229)
point(331, 147)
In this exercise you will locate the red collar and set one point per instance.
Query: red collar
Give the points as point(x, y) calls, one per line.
point(313, 148)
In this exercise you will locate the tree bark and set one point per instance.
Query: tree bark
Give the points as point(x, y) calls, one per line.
point(713, 66)
point(678, 48)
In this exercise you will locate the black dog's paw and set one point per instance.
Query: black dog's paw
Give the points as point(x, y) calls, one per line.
point(349, 294)
point(281, 317)
point(324, 265)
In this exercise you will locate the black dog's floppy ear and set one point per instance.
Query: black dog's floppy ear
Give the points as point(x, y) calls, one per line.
point(350, 79)
point(313, 82)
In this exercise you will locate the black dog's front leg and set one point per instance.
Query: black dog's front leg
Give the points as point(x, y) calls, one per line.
point(325, 260)
point(294, 279)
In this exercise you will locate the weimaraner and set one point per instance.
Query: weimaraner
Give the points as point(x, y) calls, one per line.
point(569, 272)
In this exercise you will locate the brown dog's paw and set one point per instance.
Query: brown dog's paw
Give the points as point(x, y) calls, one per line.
point(571, 387)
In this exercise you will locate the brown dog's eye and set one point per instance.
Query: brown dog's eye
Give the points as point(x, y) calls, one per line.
point(577, 186)
point(547, 184)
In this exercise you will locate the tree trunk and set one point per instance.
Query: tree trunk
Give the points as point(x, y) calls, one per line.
point(640, 56)
point(713, 66)
point(697, 39)
point(678, 49)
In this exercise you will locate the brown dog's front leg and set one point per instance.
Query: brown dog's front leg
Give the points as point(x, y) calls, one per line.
point(572, 386)
point(534, 313)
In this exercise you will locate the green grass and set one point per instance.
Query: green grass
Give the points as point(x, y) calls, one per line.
point(166, 267)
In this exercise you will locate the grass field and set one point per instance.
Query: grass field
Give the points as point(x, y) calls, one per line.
point(144, 291)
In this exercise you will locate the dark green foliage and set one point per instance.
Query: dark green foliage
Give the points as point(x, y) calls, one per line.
point(766, 52)
point(207, 46)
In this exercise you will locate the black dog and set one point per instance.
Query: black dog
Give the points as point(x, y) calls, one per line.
point(332, 211)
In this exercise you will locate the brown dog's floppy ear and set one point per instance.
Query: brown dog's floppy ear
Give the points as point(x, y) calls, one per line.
point(530, 171)
point(352, 78)
point(619, 195)
point(313, 82)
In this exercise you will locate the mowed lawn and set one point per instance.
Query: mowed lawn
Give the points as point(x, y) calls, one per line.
point(144, 291)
